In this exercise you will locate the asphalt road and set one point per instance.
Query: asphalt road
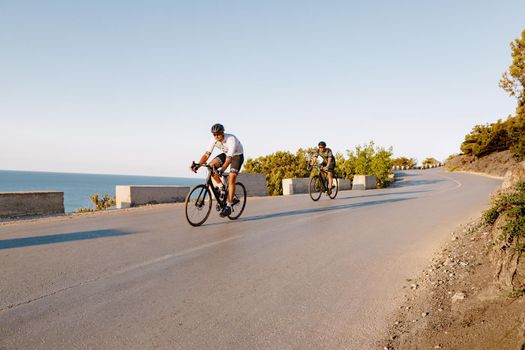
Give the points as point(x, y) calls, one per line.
point(290, 274)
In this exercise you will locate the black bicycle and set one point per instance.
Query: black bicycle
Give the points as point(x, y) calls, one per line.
point(319, 184)
point(199, 200)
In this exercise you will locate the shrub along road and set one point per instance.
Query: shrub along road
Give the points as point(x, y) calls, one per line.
point(291, 273)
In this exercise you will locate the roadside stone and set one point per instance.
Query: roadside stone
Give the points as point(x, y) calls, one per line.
point(458, 296)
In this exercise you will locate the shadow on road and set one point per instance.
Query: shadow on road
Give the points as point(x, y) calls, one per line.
point(60, 238)
point(315, 210)
point(341, 197)
point(402, 183)
point(402, 174)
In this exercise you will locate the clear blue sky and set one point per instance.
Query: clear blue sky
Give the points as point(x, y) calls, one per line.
point(132, 87)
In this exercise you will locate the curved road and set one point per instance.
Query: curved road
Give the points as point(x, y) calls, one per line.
point(290, 274)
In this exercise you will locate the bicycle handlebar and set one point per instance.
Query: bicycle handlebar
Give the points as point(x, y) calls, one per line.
point(196, 166)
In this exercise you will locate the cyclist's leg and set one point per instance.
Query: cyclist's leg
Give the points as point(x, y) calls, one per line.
point(216, 163)
point(235, 167)
point(330, 171)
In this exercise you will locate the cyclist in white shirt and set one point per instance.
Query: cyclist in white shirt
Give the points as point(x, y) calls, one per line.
point(232, 155)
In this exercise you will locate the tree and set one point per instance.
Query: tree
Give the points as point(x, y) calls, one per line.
point(345, 168)
point(404, 161)
point(513, 81)
point(370, 160)
point(382, 166)
point(486, 139)
point(363, 158)
point(430, 162)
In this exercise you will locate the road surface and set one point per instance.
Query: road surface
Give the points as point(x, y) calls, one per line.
point(290, 274)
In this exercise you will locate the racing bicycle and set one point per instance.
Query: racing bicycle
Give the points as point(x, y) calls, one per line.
point(319, 183)
point(199, 200)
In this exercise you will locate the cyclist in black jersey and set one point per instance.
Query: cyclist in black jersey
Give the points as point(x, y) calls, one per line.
point(328, 162)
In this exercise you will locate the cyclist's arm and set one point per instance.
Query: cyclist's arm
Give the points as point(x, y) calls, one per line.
point(204, 158)
point(313, 159)
point(330, 158)
point(206, 155)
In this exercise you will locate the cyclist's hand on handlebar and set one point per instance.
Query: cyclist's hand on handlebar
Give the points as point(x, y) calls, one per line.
point(194, 167)
point(220, 171)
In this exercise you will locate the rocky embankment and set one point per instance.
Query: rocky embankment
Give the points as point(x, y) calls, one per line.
point(495, 164)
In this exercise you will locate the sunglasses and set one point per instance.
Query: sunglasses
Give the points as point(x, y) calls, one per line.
point(216, 134)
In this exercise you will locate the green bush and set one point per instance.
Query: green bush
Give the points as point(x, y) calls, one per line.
point(370, 160)
point(278, 166)
point(486, 139)
point(512, 205)
point(365, 160)
point(102, 203)
point(430, 161)
point(85, 210)
point(404, 161)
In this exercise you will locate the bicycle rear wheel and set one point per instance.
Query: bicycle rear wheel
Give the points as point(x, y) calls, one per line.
point(198, 205)
point(315, 189)
point(239, 201)
point(335, 183)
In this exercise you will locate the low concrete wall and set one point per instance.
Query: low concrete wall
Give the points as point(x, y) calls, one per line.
point(295, 186)
point(344, 184)
point(300, 185)
point(130, 196)
point(364, 182)
point(31, 203)
point(255, 184)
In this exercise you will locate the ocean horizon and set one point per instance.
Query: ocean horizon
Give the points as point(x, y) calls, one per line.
point(78, 187)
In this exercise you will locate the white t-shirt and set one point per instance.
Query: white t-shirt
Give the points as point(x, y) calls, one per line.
point(230, 145)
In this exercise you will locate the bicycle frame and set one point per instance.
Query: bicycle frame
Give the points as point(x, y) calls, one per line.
point(323, 174)
point(213, 188)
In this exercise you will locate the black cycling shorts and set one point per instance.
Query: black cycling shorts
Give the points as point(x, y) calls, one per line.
point(331, 168)
point(235, 165)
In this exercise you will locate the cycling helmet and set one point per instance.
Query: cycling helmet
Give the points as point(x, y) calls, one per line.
point(217, 129)
point(322, 144)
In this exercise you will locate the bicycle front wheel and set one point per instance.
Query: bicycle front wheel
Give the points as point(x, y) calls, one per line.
point(315, 188)
point(198, 205)
point(239, 201)
point(335, 183)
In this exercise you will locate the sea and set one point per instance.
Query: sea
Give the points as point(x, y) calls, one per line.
point(78, 188)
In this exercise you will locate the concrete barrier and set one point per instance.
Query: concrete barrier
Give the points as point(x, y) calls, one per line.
point(131, 196)
point(300, 185)
point(295, 186)
point(255, 184)
point(364, 182)
point(344, 184)
point(31, 203)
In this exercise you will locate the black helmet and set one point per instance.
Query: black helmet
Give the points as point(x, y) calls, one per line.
point(321, 144)
point(217, 129)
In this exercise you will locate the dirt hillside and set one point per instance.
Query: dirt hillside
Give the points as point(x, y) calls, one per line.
point(496, 164)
